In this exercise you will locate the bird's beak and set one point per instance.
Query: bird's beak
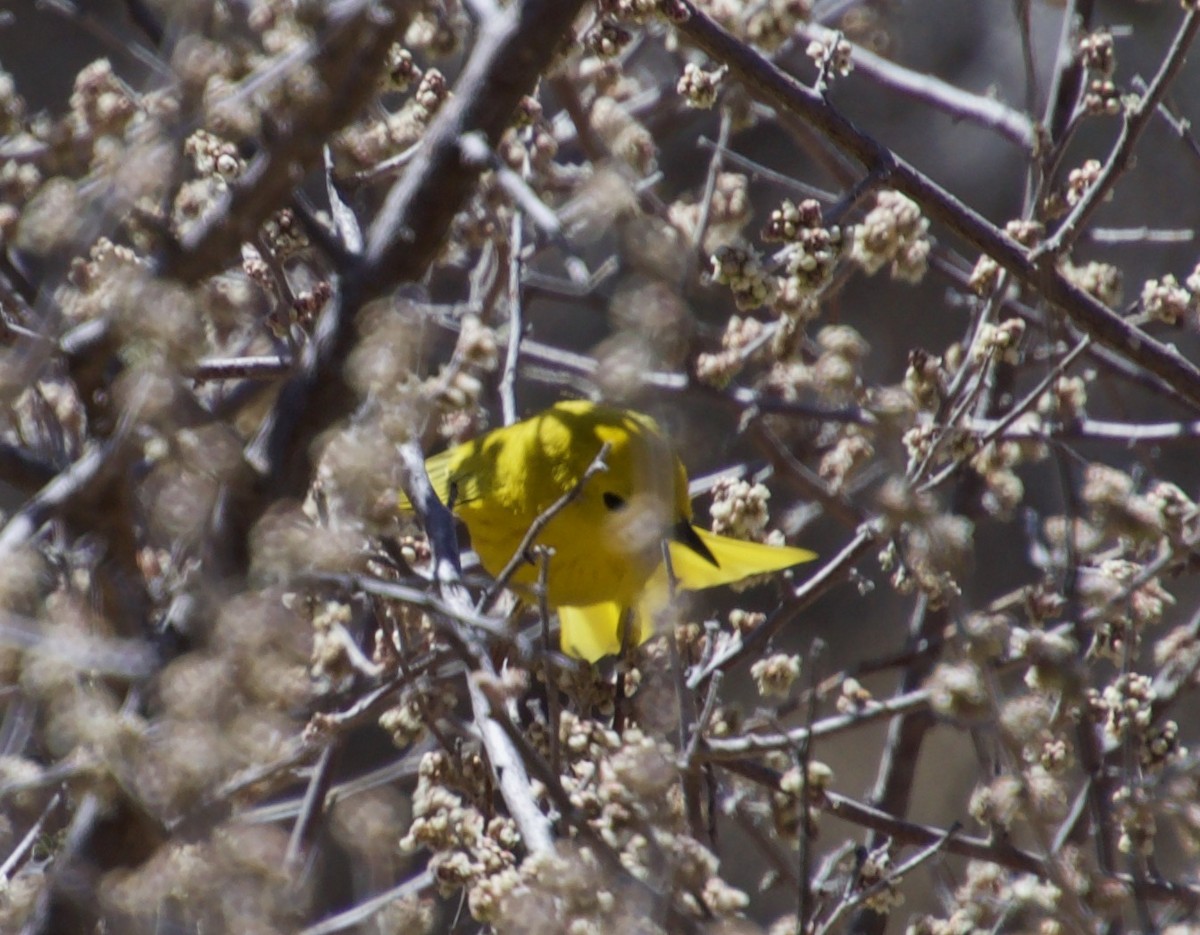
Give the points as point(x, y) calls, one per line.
point(684, 534)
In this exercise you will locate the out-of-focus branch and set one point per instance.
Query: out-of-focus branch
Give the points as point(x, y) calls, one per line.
point(1063, 96)
point(1130, 433)
point(62, 490)
point(360, 913)
point(347, 60)
point(512, 51)
point(21, 469)
point(895, 779)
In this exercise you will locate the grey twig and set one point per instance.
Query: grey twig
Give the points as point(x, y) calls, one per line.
point(804, 596)
point(878, 886)
point(26, 843)
point(256, 367)
point(311, 809)
point(57, 493)
point(1136, 121)
point(732, 748)
point(987, 112)
point(997, 852)
point(521, 555)
point(512, 353)
point(360, 913)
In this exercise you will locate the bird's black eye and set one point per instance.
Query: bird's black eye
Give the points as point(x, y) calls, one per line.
point(613, 501)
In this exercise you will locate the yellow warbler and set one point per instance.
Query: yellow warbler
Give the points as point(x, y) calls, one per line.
point(607, 541)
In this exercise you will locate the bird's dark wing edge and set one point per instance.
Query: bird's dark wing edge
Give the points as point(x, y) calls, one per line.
point(685, 534)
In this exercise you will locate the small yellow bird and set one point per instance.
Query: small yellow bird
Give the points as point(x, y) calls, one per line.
point(607, 541)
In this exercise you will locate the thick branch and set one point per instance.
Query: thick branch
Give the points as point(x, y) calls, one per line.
point(348, 60)
point(513, 49)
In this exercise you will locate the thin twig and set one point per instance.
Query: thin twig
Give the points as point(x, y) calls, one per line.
point(696, 255)
point(507, 767)
point(508, 376)
point(402, 773)
point(360, 913)
point(1010, 418)
point(83, 823)
point(27, 842)
point(1135, 123)
point(54, 496)
point(961, 105)
point(521, 555)
point(732, 748)
point(312, 808)
point(553, 706)
point(804, 596)
point(605, 854)
point(477, 152)
point(256, 367)
point(996, 852)
point(1125, 433)
point(899, 873)
point(414, 596)
point(757, 170)
point(804, 748)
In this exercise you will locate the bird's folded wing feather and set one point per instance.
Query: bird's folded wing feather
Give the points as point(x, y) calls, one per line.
point(445, 470)
point(736, 559)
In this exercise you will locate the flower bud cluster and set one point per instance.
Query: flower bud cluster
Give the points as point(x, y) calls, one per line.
point(700, 87)
point(930, 549)
point(992, 895)
point(809, 257)
point(788, 803)
point(739, 509)
point(775, 674)
point(741, 269)
point(1166, 301)
point(1102, 281)
point(469, 851)
point(894, 232)
point(1098, 52)
point(831, 53)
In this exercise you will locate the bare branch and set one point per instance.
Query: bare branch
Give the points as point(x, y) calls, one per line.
point(765, 80)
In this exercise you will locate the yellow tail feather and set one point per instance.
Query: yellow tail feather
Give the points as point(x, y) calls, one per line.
point(736, 559)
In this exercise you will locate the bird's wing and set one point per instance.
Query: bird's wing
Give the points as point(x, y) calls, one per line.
point(594, 631)
point(736, 559)
point(451, 482)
